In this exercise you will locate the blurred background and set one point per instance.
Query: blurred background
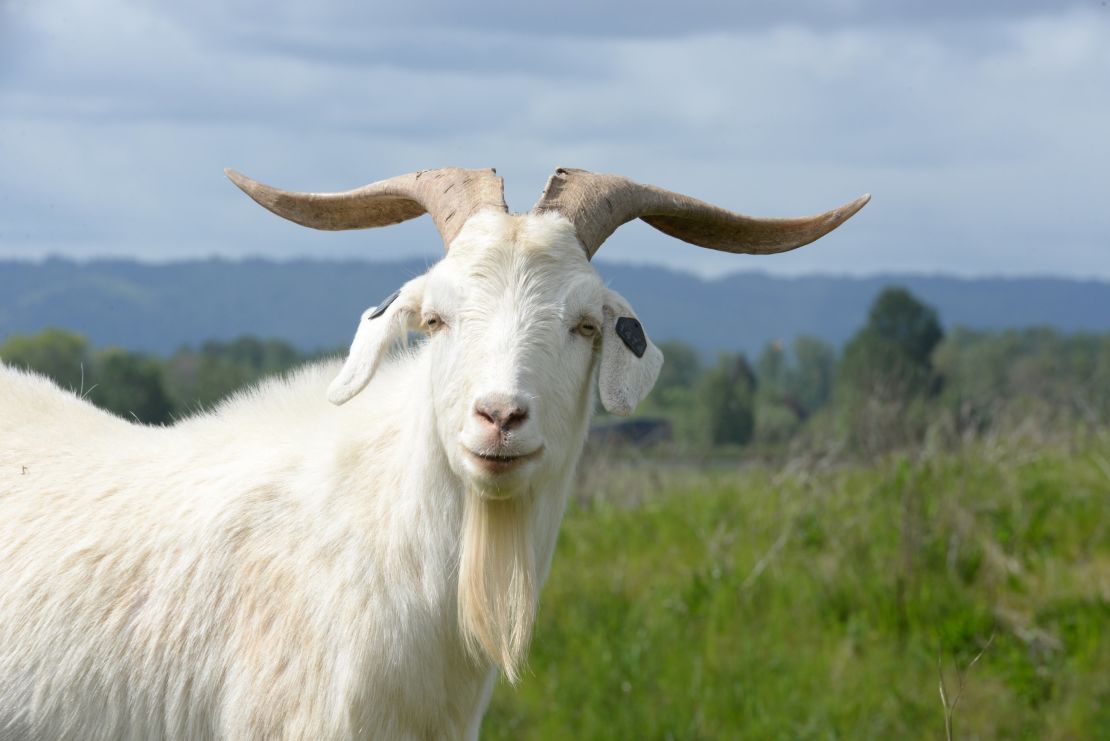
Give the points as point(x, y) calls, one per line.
point(872, 467)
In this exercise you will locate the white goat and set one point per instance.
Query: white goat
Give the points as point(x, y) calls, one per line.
point(284, 568)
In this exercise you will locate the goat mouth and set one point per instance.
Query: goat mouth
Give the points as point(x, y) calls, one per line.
point(502, 462)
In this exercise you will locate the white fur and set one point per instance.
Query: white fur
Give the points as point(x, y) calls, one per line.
point(286, 568)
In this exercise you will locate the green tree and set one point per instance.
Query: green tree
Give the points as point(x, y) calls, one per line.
point(801, 381)
point(201, 378)
point(791, 387)
point(131, 386)
point(890, 358)
point(910, 325)
point(56, 353)
point(812, 380)
point(886, 373)
point(725, 396)
point(997, 379)
point(674, 389)
point(681, 366)
point(775, 420)
point(772, 370)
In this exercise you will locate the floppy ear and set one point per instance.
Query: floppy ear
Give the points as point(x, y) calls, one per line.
point(379, 328)
point(630, 363)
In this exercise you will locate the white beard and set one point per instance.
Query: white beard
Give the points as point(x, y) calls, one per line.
point(497, 580)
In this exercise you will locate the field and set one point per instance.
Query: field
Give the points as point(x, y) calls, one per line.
point(817, 601)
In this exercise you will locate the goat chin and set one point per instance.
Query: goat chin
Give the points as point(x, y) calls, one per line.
point(497, 579)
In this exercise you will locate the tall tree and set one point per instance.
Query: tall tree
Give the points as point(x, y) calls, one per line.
point(725, 397)
point(891, 357)
point(812, 379)
point(912, 326)
point(773, 370)
point(886, 372)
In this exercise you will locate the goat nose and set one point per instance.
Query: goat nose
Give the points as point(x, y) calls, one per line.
point(503, 411)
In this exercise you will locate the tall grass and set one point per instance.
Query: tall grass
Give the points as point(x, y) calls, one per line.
point(808, 602)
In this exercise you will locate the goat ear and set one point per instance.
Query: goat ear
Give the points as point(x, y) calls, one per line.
point(379, 328)
point(630, 363)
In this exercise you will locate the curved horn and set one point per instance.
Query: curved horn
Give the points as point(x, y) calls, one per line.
point(451, 195)
point(597, 204)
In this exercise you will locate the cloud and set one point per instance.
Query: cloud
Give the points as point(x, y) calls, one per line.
point(980, 130)
point(589, 19)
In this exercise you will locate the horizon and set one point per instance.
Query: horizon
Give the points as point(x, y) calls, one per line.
point(148, 261)
point(312, 302)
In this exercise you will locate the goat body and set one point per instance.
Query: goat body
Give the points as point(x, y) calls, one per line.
point(249, 574)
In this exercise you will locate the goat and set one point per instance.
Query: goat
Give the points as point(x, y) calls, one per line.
point(286, 568)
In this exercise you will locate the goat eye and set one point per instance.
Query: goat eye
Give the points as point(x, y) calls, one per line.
point(586, 328)
point(432, 322)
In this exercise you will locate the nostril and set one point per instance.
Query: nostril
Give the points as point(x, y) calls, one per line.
point(501, 411)
point(485, 414)
point(514, 418)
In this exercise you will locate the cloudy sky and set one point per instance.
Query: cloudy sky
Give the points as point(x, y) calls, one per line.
point(981, 128)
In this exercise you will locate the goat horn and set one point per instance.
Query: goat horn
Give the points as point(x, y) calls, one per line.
point(597, 204)
point(451, 195)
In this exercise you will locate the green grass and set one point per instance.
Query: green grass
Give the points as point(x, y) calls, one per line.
point(790, 603)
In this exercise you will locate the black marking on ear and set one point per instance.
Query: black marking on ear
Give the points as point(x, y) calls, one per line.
point(384, 305)
point(632, 334)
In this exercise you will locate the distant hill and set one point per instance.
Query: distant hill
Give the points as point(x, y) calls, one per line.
point(316, 304)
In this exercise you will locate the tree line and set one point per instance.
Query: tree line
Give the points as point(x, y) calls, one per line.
point(900, 380)
point(149, 388)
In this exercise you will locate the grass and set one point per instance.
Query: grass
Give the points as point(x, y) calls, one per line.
point(798, 603)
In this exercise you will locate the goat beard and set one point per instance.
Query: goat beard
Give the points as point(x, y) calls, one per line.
point(497, 595)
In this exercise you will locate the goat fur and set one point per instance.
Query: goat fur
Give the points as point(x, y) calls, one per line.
point(277, 568)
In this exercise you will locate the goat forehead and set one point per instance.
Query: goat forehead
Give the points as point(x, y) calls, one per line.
point(523, 259)
point(548, 232)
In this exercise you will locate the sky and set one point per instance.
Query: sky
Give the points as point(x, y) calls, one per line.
point(982, 129)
